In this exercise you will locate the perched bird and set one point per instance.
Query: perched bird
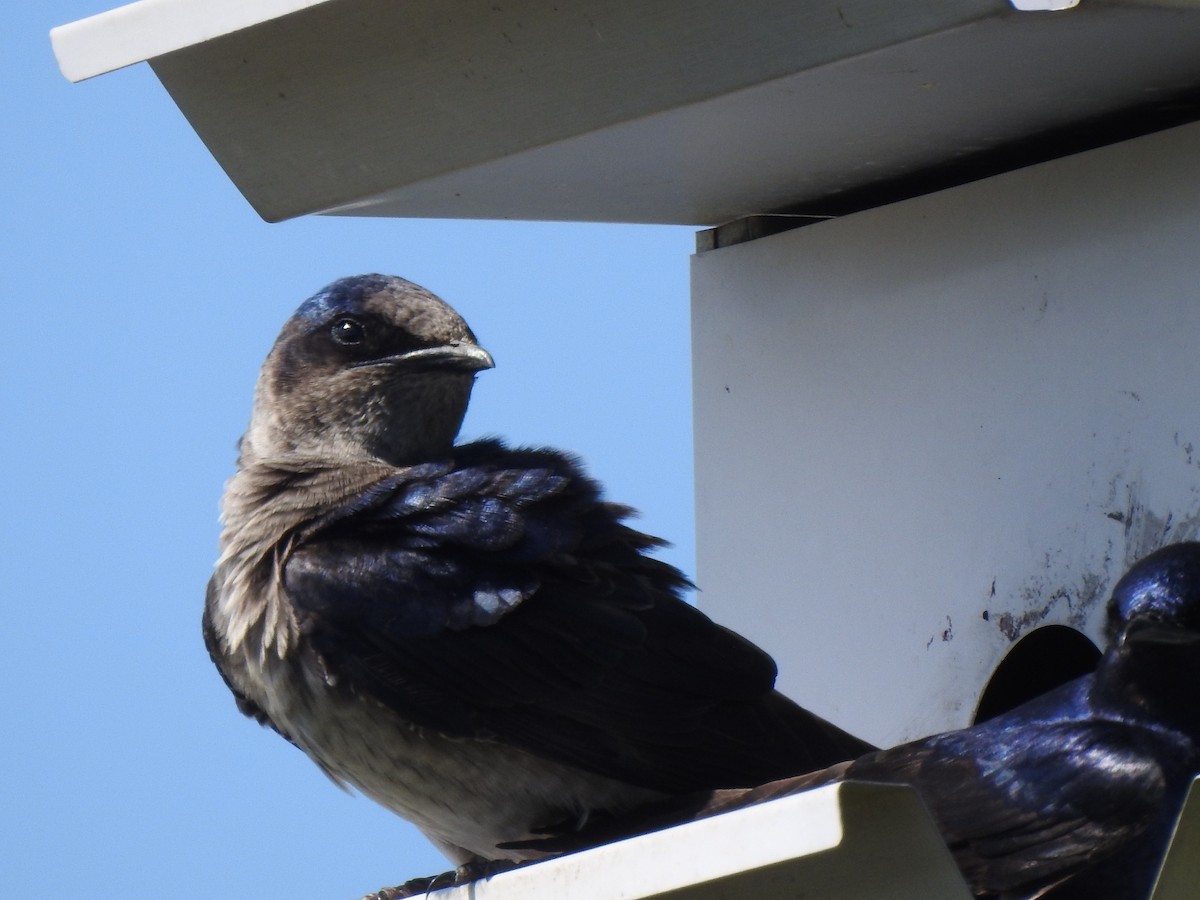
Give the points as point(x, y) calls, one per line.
point(1071, 795)
point(466, 633)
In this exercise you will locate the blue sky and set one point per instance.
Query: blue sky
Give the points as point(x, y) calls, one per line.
point(143, 293)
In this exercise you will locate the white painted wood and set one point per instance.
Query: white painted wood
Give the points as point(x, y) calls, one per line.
point(1179, 877)
point(686, 111)
point(149, 28)
point(985, 400)
point(1044, 5)
point(852, 841)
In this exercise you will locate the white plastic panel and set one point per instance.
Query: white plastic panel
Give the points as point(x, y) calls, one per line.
point(925, 429)
point(696, 111)
point(147, 29)
point(1180, 873)
point(852, 841)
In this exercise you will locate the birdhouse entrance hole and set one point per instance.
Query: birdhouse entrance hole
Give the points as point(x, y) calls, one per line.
point(1038, 662)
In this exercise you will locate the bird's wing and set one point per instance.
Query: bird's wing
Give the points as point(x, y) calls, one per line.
point(1027, 808)
point(500, 598)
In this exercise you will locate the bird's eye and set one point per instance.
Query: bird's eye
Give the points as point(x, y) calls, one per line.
point(347, 331)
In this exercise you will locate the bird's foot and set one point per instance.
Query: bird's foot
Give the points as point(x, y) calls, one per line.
point(464, 874)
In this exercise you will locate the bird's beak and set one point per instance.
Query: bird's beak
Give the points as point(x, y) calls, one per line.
point(1145, 630)
point(458, 355)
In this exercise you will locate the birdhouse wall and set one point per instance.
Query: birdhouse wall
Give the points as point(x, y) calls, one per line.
point(926, 429)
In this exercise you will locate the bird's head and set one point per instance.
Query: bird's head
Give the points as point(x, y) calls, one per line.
point(1152, 665)
point(1158, 599)
point(371, 366)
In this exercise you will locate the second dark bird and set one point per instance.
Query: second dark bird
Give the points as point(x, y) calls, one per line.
point(469, 634)
point(1071, 796)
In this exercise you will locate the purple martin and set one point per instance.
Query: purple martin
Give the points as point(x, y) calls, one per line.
point(1070, 796)
point(466, 633)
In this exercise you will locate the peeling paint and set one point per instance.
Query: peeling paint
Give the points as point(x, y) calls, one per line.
point(1012, 627)
point(1146, 531)
point(1045, 598)
point(947, 634)
point(1189, 450)
point(1068, 590)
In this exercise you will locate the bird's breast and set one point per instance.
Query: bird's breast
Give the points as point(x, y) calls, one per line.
point(466, 794)
point(469, 795)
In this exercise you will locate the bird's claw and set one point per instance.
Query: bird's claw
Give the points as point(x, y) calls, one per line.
point(464, 874)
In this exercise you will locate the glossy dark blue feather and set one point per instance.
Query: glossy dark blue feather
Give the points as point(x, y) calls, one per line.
point(505, 582)
point(1071, 796)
